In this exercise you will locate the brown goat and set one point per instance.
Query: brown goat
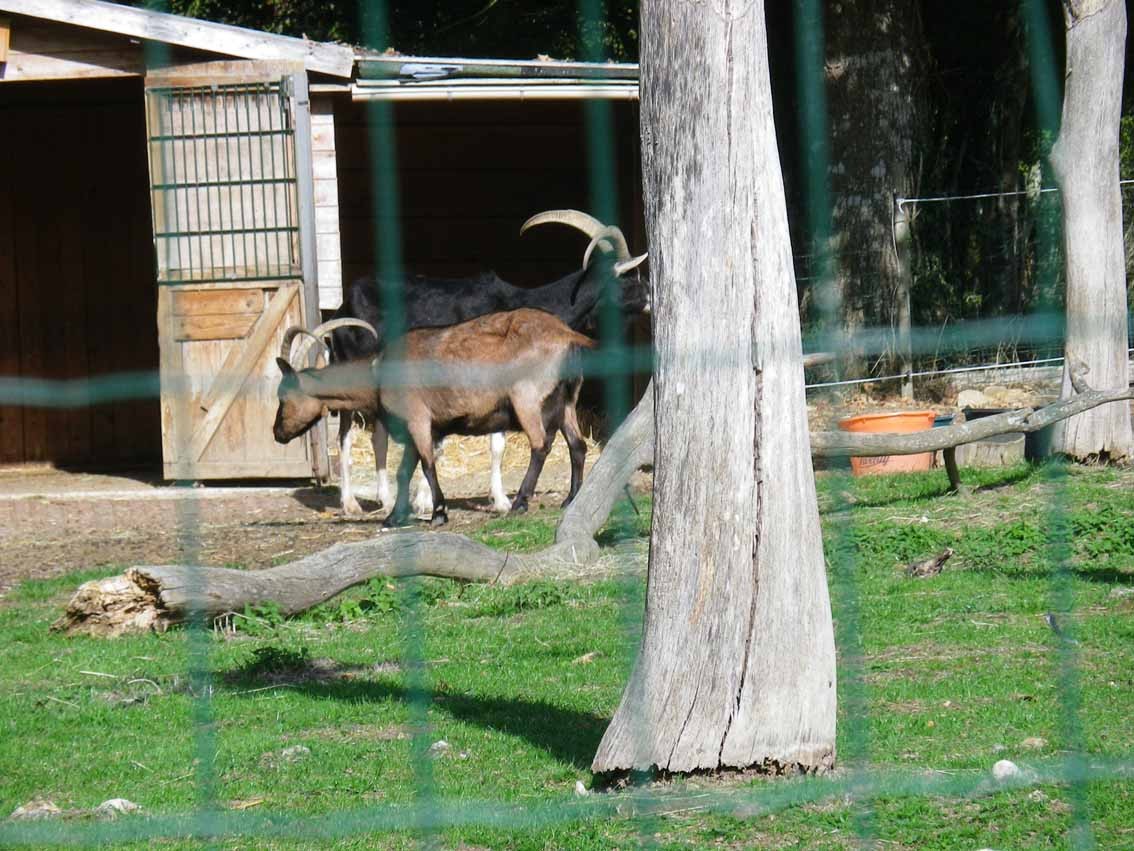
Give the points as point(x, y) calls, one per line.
point(537, 375)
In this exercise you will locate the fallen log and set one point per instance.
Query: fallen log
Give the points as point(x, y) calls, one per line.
point(156, 597)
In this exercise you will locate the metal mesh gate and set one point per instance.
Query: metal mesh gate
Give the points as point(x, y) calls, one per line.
point(223, 183)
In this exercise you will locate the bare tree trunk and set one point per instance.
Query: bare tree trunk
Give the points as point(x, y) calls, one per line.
point(1085, 160)
point(737, 662)
point(873, 71)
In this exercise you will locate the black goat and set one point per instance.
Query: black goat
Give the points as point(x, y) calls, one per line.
point(577, 299)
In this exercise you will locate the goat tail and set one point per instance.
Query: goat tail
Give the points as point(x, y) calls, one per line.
point(574, 364)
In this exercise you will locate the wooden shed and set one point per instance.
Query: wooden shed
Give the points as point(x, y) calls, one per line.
point(479, 145)
point(158, 213)
point(178, 192)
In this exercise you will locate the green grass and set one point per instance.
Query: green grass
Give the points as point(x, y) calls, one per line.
point(958, 670)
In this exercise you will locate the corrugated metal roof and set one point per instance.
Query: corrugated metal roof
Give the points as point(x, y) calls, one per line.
point(386, 77)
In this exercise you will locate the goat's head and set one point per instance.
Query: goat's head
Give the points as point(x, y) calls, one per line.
point(301, 401)
point(298, 410)
point(606, 259)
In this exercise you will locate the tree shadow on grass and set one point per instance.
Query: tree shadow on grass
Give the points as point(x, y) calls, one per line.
point(915, 489)
point(569, 735)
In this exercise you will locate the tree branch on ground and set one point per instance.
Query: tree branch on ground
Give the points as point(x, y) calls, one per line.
point(155, 597)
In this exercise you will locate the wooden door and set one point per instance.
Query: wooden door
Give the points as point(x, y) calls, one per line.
point(226, 175)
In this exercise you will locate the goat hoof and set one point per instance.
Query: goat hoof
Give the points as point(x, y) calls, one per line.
point(352, 508)
point(395, 520)
point(519, 508)
point(440, 518)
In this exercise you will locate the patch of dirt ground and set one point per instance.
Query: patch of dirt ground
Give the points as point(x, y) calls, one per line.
point(54, 522)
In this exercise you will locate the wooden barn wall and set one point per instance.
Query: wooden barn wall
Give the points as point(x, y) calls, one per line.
point(469, 174)
point(77, 295)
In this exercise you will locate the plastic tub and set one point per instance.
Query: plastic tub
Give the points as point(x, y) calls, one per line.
point(898, 422)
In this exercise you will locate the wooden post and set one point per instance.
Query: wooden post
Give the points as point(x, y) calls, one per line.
point(305, 189)
point(5, 35)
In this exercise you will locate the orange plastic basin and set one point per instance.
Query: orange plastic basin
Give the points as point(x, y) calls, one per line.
point(898, 422)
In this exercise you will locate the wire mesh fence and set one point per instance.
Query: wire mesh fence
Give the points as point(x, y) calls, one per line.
point(862, 779)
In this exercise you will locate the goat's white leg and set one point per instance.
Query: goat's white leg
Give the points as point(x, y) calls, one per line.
point(346, 437)
point(423, 495)
point(380, 441)
point(500, 500)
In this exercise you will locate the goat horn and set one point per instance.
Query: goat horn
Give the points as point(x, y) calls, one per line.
point(624, 266)
point(288, 338)
point(608, 238)
point(300, 356)
point(610, 235)
point(572, 218)
point(320, 331)
point(346, 322)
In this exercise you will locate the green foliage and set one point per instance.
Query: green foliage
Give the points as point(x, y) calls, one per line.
point(518, 534)
point(958, 671)
point(469, 28)
point(504, 601)
point(1104, 530)
point(269, 660)
point(258, 621)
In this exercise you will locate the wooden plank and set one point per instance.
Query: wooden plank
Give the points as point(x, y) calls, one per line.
point(337, 60)
point(141, 301)
point(222, 71)
point(231, 326)
point(28, 190)
point(5, 37)
point(173, 409)
point(251, 469)
point(11, 416)
point(74, 332)
point(328, 248)
point(308, 228)
point(327, 192)
point(330, 284)
point(250, 421)
point(235, 370)
point(42, 51)
point(217, 302)
point(326, 220)
point(323, 167)
point(119, 333)
point(323, 133)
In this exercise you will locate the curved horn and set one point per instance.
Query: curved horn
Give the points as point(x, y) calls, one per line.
point(331, 324)
point(322, 330)
point(572, 218)
point(288, 338)
point(624, 266)
point(300, 356)
point(608, 238)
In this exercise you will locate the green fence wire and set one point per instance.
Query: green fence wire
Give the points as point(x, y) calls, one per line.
point(430, 813)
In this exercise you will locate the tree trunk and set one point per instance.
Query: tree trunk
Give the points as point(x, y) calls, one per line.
point(873, 73)
point(737, 662)
point(1085, 160)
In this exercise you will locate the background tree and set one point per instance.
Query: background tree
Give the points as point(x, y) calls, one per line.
point(1085, 160)
point(875, 91)
point(737, 662)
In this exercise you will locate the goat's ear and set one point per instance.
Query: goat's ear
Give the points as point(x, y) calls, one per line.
point(285, 367)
